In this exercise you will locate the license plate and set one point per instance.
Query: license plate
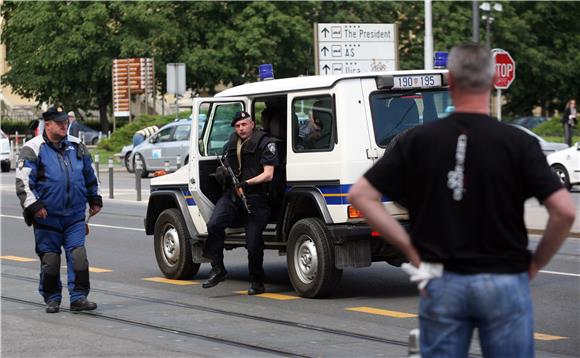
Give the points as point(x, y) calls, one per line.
point(417, 81)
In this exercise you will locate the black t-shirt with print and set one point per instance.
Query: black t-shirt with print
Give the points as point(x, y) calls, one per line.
point(464, 180)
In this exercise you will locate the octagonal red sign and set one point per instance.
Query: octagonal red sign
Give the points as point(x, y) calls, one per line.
point(505, 69)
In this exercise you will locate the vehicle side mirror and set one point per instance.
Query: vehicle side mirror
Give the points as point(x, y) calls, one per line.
point(577, 145)
point(153, 140)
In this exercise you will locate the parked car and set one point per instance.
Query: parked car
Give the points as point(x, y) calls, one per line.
point(4, 151)
point(547, 147)
point(566, 164)
point(89, 135)
point(165, 145)
point(530, 122)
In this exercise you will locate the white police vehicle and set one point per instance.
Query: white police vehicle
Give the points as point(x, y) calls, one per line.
point(329, 130)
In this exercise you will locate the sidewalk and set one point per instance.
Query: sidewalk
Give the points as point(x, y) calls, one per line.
point(536, 219)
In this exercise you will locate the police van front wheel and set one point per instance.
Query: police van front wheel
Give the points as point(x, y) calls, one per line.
point(172, 248)
point(311, 259)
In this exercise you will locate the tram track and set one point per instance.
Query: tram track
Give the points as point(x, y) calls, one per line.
point(179, 332)
point(200, 308)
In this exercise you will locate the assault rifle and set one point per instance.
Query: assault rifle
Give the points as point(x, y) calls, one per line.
point(236, 182)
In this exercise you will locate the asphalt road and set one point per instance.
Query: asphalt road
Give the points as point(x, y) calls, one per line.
point(142, 315)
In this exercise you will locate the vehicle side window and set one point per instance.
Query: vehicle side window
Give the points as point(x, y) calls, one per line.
point(182, 132)
point(312, 124)
point(221, 127)
point(163, 135)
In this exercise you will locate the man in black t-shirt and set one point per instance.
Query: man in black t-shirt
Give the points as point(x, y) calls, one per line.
point(464, 180)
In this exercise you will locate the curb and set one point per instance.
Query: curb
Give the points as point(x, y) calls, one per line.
point(541, 232)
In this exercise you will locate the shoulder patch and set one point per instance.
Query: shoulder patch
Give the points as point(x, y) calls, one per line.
point(20, 164)
point(272, 147)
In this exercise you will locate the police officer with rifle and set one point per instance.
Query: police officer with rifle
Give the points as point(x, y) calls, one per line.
point(248, 169)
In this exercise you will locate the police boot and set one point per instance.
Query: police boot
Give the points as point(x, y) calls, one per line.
point(256, 287)
point(52, 307)
point(218, 274)
point(82, 305)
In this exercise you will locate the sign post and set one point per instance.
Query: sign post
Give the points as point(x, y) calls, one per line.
point(505, 74)
point(355, 48)
point(176, 82)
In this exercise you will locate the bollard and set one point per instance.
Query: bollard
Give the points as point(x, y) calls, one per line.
point(111, 196)
point(414, 348)
point(167, 166)
point(178, 160)
point(97, 167)
point(138, 169)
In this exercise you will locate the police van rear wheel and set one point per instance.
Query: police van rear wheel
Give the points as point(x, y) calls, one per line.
point(172, 248)
point(311, 259)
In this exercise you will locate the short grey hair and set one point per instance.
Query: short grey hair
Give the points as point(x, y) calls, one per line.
point(472, 67)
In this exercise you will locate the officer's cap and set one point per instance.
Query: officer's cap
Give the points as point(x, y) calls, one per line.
point(239, 116)
point(56, 114)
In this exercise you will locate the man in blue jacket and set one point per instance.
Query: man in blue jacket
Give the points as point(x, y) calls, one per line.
point(54, 181)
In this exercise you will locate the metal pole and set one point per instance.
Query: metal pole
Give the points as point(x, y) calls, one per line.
point(428, 49)
point(498, 104)
point(488, 27)
point(111, 196)
point(97, 160)
point(178, 160)
point(475, 21)
point(138, 170)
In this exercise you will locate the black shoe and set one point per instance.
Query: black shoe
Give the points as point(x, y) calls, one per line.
point(256, 288)
point(53, 307)
point(217, 275)
point(82, 305)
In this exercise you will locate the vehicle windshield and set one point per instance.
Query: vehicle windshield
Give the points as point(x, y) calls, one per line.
point(394, 113)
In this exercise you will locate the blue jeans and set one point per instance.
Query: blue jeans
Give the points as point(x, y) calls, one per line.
point(498, 305)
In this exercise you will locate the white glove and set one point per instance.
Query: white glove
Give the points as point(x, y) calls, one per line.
point(424, 273)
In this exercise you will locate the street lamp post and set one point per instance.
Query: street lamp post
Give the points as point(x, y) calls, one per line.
point(488, 8)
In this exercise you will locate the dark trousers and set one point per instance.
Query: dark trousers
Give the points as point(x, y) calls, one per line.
point(50, 235)
point(568, 133)
point(229, 210)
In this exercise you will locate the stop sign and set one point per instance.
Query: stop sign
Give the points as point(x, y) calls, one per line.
point(505, 69)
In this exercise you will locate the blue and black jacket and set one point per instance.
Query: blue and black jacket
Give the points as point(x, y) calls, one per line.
point(58, 177)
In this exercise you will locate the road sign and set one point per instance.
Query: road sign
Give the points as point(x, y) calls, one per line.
point(131, 76)
point(505, 69)
point(354, 48)
point(176, 78)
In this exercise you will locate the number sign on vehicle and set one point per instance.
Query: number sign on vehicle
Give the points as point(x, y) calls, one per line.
point(417, 81)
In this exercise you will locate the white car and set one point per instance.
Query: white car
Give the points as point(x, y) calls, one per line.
point(4, 151)
point(566, 164)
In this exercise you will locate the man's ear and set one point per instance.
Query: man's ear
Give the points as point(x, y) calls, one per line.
point(450, 80)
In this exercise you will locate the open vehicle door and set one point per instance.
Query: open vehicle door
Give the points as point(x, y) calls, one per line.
point(207, 144)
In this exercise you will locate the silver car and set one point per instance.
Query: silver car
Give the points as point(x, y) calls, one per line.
point(547, 147)
point(169, 143)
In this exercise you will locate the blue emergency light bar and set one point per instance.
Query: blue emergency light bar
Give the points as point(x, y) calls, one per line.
point(266, 72)
point(440, 60)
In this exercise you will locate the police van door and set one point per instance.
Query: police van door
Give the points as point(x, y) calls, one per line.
point(211, 128)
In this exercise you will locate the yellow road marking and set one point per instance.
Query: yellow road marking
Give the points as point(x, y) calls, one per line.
point(94, 269)
point(172, 282)
point(547, 337)
point(17, 258)
point(274, 296)
point(382, 312)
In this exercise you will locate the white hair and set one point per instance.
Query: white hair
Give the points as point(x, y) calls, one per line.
point(472, 68)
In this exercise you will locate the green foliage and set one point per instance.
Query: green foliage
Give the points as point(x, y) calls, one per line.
point(12, 126)
point(63, 51)
point(124, 135)
point(552, 127)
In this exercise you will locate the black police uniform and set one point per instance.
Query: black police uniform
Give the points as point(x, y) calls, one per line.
point(256, 152)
